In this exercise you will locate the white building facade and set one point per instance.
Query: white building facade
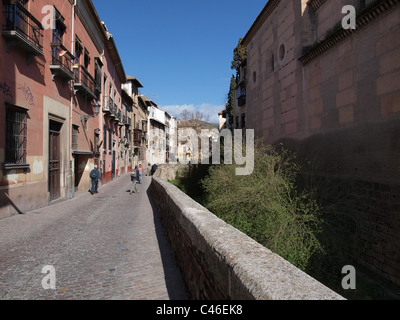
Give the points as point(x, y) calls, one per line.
point(157, 148)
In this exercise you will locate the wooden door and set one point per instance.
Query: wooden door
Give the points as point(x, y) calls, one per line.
point(54, 160)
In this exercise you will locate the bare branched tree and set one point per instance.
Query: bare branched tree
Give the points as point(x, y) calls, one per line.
point(194, 116)
point(185, 115)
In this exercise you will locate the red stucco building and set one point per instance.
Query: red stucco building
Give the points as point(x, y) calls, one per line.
point(60, 101)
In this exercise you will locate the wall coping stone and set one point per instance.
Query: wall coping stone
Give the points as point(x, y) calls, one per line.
point(266, 275)
point(369, 14)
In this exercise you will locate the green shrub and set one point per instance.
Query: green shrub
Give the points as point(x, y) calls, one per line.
point(267, 205)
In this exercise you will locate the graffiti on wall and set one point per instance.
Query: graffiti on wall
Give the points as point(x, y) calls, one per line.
point(5, 89)
point(28, 94)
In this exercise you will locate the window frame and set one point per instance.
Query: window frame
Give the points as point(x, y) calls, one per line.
point(78, 50)
point(19, 158)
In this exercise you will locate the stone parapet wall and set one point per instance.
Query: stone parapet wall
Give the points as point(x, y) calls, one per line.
point(170, 171)
point(218, 262)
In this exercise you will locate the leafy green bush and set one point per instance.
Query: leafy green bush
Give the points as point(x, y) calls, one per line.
point(267, 205)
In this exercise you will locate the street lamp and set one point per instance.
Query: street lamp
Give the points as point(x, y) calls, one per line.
point(85, 118)
point(97, 108)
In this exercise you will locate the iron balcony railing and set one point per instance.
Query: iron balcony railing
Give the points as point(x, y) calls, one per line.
point(84, 81)
point(111, 106)
point(105, 104)
point(118, 117)
point(21, 23)
point(62, 59)
point(115, 111)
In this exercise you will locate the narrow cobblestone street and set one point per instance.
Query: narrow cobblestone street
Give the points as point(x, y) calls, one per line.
point(103, 247)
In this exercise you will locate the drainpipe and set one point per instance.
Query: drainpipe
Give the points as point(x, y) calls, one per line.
point(102, 163)
point(72, 184)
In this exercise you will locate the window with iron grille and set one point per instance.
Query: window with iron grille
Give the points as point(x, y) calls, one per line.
point(16, 135)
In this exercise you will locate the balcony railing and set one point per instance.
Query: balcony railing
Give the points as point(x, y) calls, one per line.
point(119, 118)
point(22, 29)
point(106, 105)
point(111, 106)
point(84, 82)
point(113, 110)
point(61, 62)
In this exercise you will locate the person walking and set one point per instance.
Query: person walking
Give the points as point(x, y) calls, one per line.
point(134, 179)
point(141, 173)
point(95, 176)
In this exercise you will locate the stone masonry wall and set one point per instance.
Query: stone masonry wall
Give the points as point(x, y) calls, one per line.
point(378, 238)
point(334, 98)
point(218, 262)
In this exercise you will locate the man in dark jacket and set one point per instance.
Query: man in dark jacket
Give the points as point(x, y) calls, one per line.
point(96, 177)
point(154, 169)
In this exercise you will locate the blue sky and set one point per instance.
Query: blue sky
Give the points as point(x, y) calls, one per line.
point(180, 50)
